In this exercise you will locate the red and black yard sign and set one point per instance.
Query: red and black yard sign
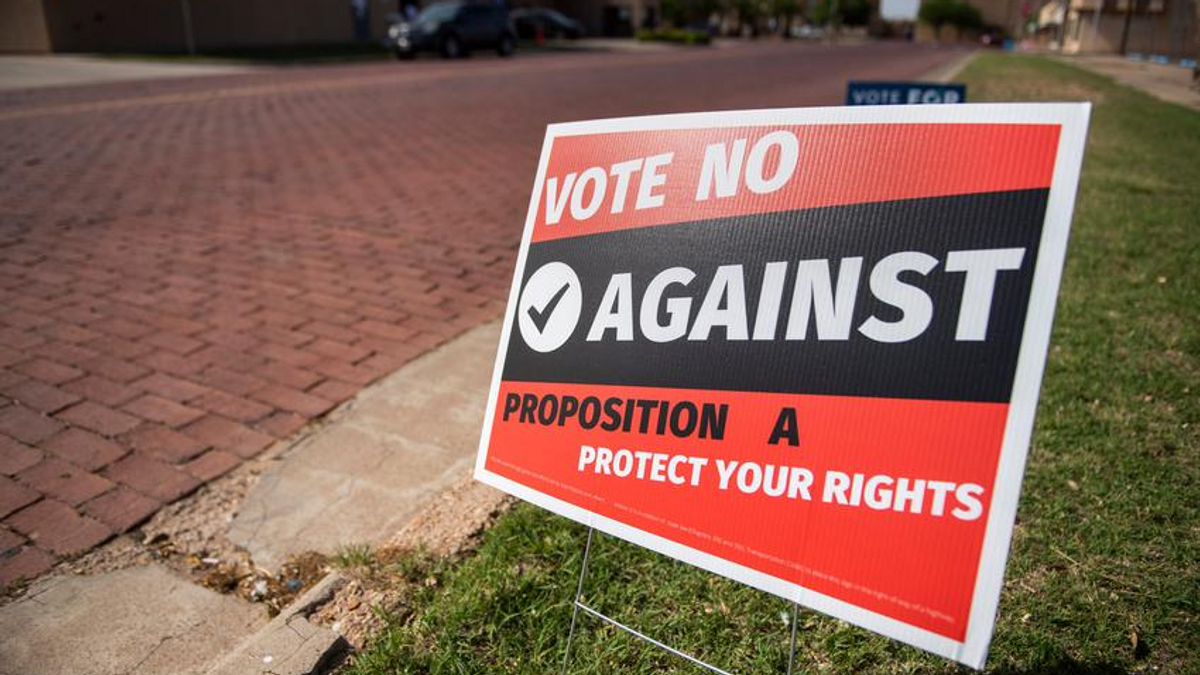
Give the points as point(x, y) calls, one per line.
point(798, 348)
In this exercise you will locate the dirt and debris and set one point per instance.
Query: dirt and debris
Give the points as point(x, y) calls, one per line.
point(381, 585)
point(452, 522)
point(361, 608)
point(192, 526)
point(188, 537)
point(380, 591)
point(238, 575)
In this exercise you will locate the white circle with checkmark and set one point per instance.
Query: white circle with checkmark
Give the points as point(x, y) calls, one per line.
point(550, 306)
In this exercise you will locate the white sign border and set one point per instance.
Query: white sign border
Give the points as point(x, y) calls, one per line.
point(1072, 118)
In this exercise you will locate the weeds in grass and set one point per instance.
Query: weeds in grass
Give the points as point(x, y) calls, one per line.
point(353, 555)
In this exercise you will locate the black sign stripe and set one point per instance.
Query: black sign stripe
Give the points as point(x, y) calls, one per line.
point(933, 365)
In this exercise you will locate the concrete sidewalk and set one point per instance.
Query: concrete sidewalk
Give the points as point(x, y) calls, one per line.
point(58, 70)
point(368, 469)
point(1171, 83)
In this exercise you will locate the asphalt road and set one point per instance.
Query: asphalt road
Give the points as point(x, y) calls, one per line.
point(194, 268)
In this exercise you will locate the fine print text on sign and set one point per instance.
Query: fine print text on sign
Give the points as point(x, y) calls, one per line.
point(798, 348)
point(904, 93)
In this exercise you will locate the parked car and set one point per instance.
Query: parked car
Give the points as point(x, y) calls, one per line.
point(553, 24)
point(454, 29)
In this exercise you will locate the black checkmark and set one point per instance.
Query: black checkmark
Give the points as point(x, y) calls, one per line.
point(541, 316)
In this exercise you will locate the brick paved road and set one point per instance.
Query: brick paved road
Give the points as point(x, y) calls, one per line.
point(193, 269)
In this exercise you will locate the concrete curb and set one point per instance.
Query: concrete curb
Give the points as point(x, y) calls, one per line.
point(424, 412)
point(290, 644)
point(948, 72)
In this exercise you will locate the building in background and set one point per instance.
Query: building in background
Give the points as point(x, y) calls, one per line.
point(1155, 27)
point(23, 26)
point(39, 26)
point(163, 25)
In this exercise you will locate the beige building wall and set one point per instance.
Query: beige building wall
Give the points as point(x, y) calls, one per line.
point(1165, 28)
point(23, 27)
point(224, 23)
point(158, 25)
point(114, 25)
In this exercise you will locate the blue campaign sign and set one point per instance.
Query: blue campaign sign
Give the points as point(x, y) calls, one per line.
point(904, 93)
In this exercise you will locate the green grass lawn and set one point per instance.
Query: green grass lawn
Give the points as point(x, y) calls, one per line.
point(1104, 575)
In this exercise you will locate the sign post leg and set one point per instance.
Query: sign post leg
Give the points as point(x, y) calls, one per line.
point(579, 605)
point(792, 647)
point(575, 605)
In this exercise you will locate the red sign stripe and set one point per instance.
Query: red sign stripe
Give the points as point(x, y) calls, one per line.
point(918, 568)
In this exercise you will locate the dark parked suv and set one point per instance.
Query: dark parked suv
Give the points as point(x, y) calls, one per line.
point(531, 22)
point(454, 28)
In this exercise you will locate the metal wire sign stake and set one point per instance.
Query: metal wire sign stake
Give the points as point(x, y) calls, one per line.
point(578, 605)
